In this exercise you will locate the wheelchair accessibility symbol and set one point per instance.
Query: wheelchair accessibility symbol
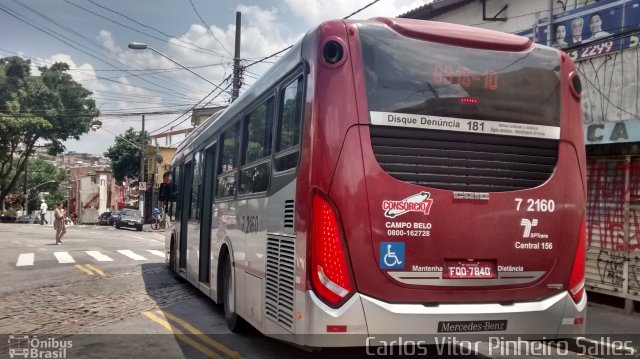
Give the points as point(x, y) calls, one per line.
point(392, 255)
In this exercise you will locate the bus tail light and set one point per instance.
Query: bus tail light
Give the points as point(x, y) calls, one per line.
point(576, 281)
point(330, 276)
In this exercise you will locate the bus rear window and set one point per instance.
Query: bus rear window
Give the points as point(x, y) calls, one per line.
point(410, 76)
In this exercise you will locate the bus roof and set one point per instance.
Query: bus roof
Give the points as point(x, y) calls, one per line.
point(428, 30)
point(285, 64)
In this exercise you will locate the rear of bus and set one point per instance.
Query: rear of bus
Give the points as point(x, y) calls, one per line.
point(448, 191)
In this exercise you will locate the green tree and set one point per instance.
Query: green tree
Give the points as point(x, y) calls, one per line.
point(39, 172)
point(50, 108)
point(125, 154)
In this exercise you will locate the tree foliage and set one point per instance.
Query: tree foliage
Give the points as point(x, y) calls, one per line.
point(125, 154)
point(38, 172)
point(50, 108)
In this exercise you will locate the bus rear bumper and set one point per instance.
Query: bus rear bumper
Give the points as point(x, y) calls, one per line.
point(367, 320)
point(549, 318)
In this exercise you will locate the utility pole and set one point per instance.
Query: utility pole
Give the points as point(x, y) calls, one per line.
point(26, 193)
point(142, 146)
point(236, 60)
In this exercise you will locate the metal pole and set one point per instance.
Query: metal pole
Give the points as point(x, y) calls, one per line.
point(236, 60)
point(26, 193)
point(549, 42)
point(69, 200)
point(141, 197)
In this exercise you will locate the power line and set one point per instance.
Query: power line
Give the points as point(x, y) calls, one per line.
point(357, 11)
point(128, 96)
point(131, 85)
point(207, 27)
point(290, 46)
point(150, 27)
point(205, 105)
point(118, 56)
point(605, 97)
point(194, 106)
point(133, 29)
point(270, 56)
point(66, 40)
point(165, 69)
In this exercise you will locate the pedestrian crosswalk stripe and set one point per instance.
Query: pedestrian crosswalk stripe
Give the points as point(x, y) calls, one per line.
point(28, 259)
point(64, 257)
point(130, 254)
point(25, 259)
point(156, 252)
point(99, 256)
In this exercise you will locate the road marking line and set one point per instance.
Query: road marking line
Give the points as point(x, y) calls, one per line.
point(193, 330)
point(156, 252)
point(181, 336)
point(25, 259)
point(63, 257)
point(130, 254)
point(138, 237)
point(99, 256)
point(88, 272)
point(90, 267)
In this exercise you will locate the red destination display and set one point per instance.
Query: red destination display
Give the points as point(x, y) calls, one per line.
point(463, 76)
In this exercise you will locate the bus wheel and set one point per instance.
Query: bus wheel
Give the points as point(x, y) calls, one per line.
point(172, 257)
point(172, 262)
point(234, 322)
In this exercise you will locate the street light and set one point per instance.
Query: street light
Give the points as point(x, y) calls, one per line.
point(141, 46)
point(97, 125)
point(26, 193)
point(41, 184)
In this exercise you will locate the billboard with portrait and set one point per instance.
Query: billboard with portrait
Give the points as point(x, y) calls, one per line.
point(597, 26)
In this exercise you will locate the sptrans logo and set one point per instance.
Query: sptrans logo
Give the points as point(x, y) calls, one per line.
point(420, 202)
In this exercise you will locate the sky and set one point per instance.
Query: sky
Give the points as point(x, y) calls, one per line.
point(92, 37)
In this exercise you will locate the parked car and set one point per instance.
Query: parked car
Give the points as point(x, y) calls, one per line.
point(113, 218)
point(104, 218)
point(129, 218)
point(28, 218)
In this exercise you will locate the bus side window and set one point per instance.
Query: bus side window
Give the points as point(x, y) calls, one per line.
point(226, 182)
point(174, 198)
point(288, 134)
point(256, 152)
point(196, 181)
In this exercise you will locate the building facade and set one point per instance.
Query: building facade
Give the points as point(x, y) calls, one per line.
point(91, 190)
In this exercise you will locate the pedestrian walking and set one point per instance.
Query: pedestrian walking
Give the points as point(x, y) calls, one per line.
point(59, 223)
point(43, 213)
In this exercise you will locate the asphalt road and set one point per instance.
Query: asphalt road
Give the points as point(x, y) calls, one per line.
point(106, 293)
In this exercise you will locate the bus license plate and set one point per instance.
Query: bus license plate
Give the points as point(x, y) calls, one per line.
point(469, 270)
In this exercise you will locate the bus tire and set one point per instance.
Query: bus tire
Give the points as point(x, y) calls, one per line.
point(172, 263)
point(233, 320)
point(172, 256)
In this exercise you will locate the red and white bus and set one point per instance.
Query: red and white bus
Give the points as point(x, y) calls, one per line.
point(391, 176)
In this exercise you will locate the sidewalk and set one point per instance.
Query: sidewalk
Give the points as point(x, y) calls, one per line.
point(609, 327)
